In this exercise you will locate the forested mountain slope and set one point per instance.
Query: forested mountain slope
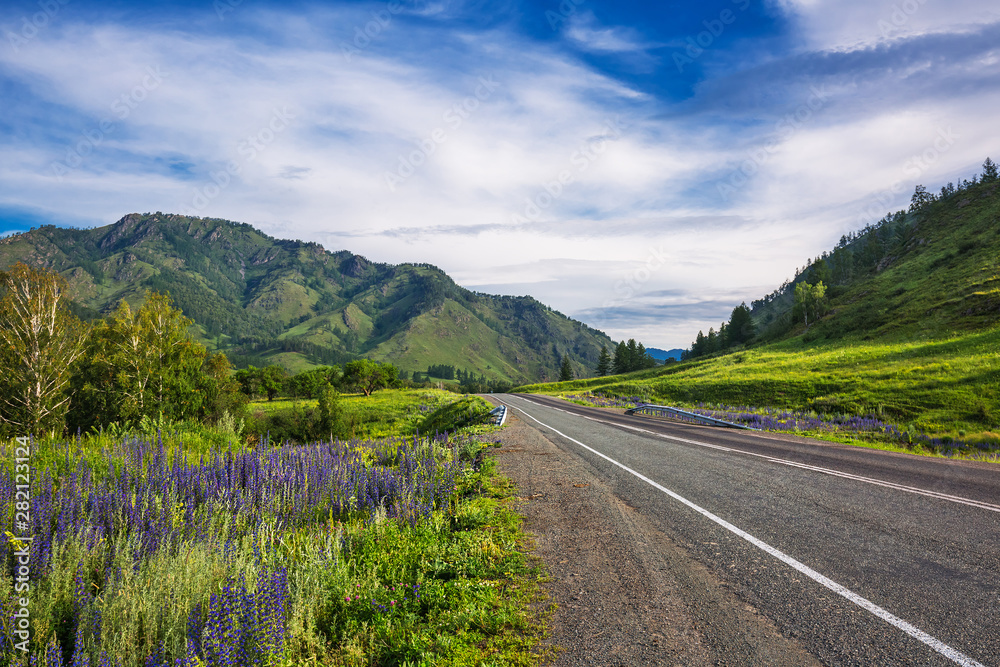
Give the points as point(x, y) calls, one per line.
point(263, 300)
point(926, 272)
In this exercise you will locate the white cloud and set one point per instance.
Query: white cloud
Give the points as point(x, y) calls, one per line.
point(837, 24)
point(583, 29)
point(312, 135)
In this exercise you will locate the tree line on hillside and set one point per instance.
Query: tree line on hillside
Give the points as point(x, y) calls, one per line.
point(628, 357)
point(468, 381)
point(804, 299)
point(739, 331)
point(133, 366)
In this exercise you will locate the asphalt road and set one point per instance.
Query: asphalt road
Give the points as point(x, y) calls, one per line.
point(864, 557)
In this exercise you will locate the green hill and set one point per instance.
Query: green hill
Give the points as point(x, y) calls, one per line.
point(911, 329)
point(264, 300)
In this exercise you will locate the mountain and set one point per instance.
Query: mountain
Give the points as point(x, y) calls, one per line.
point(266, 300)
point(663, 355)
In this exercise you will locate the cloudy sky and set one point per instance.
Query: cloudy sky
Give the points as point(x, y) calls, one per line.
point(641, 166)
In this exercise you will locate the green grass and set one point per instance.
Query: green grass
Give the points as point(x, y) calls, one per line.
point(383, 414)
point(474, 585)
point(468, 411)
point(946, 387)
point(455, 588)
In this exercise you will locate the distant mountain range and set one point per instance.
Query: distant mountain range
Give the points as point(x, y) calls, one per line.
point(663, 355)
point(266, 300)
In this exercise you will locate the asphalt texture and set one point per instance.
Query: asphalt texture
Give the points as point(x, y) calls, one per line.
point(930, 561)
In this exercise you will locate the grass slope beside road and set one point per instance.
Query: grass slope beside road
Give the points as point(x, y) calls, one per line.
point(947, 388)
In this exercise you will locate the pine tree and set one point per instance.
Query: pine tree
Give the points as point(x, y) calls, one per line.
point(603, 362)
point(643, 359)
point(989, 171)
point(566, 370)
point(698, 347)
point(920, 198)
point(631, 356)
point(620, 363)
point(741, 329)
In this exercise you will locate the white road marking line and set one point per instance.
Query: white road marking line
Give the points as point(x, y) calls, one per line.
point(936, 644)
point(795, 464)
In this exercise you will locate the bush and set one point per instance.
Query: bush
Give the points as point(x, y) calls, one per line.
point(468, 411)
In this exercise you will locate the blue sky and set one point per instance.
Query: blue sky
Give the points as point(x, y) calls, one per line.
point(643, 167)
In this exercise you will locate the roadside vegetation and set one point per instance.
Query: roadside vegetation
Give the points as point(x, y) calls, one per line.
point(178, 544)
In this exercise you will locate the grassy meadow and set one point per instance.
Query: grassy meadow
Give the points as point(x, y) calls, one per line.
point(174, 545)
point(383, 414)
point(947, 388)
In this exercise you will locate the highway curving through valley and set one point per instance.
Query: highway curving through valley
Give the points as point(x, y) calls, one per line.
point(863, 557)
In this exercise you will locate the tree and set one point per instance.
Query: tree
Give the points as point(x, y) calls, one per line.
point(700, 346)
point(620, 363)
point(989, 171)
point(272, 380)
point(249, 380)
point(139, 364)
point(369, 376)
point(40, 341)
point(565, 370)
point(220, 389)
point(741, 329)
point(643, 359)
point(810, 301)
point(603, 362)
point(632, 355)
point(712, 341)
point(331, 413)
point(310, 383)
point(920, 198)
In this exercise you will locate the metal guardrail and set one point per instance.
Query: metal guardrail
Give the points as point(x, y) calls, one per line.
point(499, 415)
point(661, 410)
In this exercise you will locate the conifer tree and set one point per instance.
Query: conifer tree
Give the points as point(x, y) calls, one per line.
point(989, 171)
point(603, 362)
point(741, 328)
point(566, 370)
point(620, 362)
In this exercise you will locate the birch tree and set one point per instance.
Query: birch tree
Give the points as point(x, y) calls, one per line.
point(40, 341)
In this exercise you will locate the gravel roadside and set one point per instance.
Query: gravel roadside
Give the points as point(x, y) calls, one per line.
point(626, 594)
